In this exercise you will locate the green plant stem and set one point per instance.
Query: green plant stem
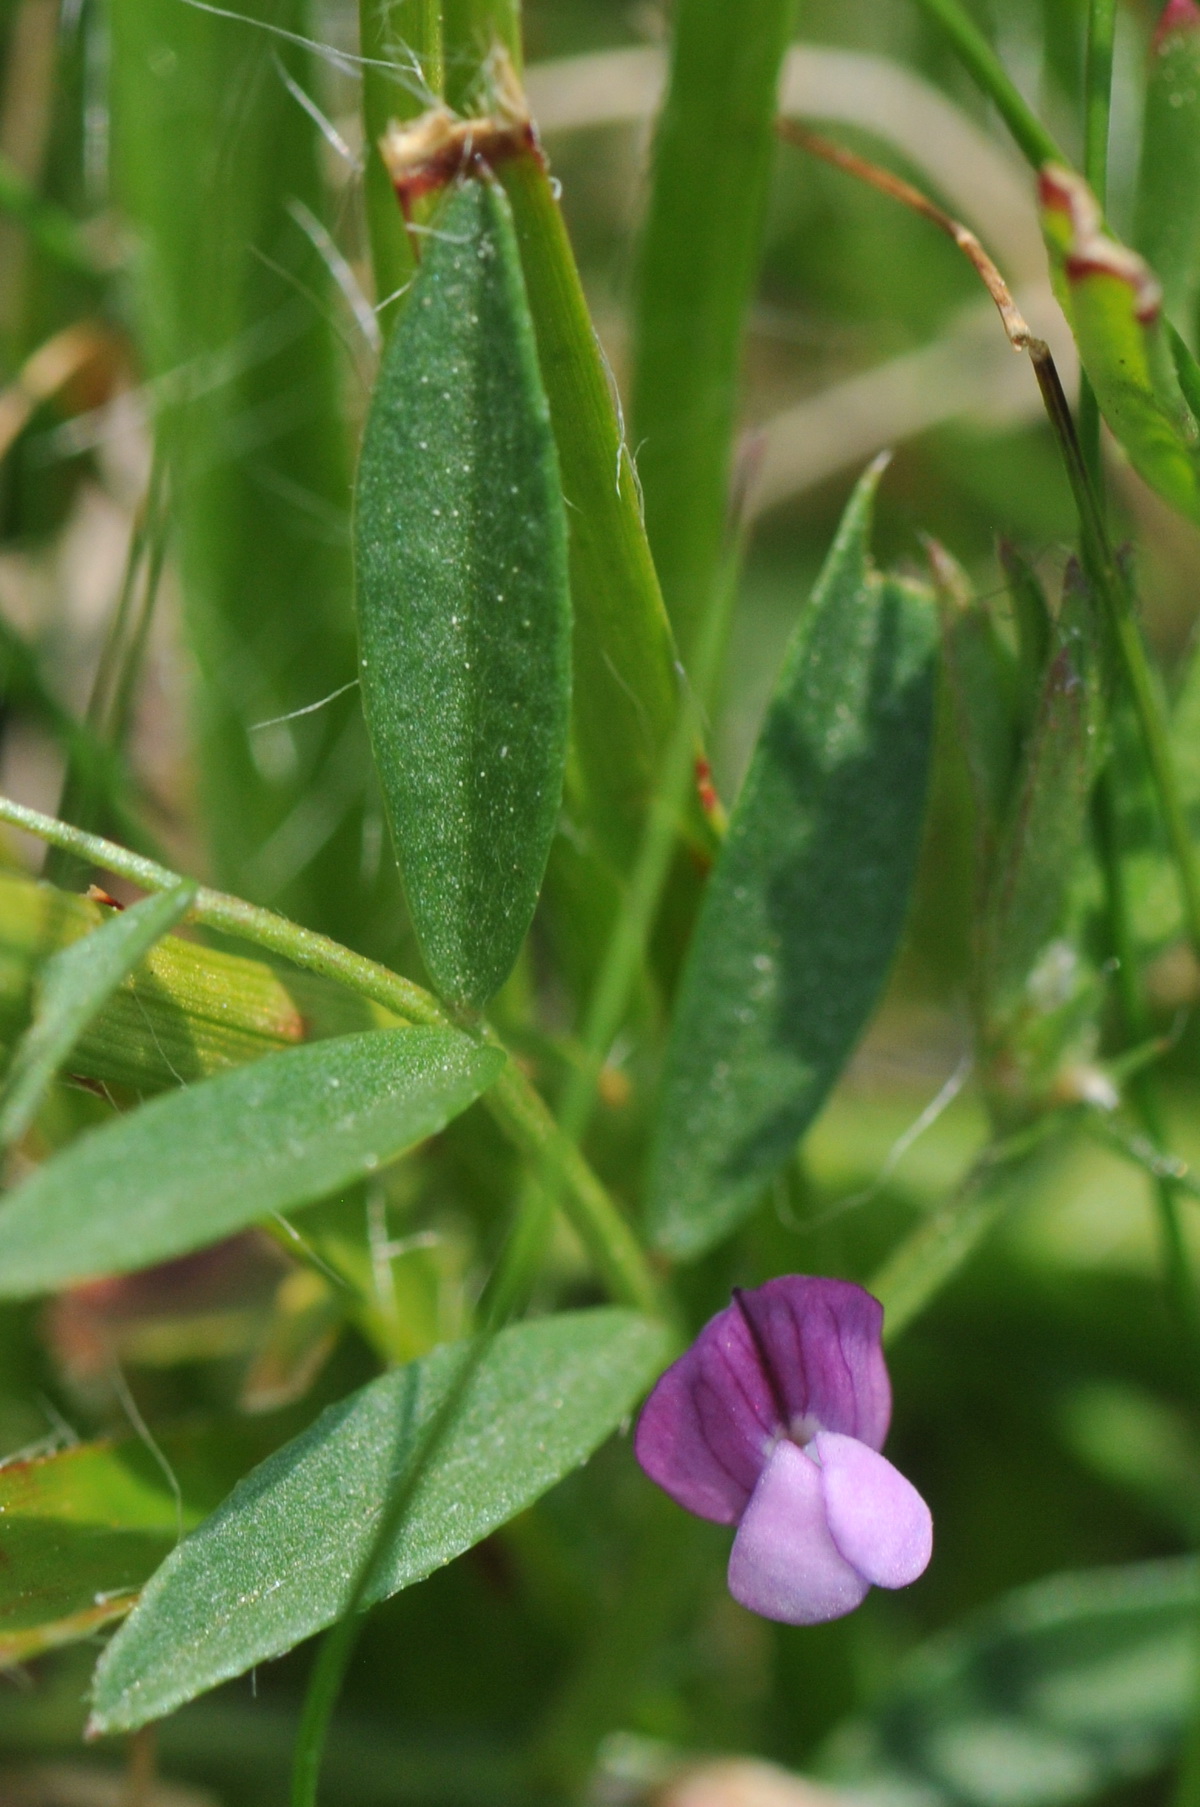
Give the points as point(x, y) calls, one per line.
point(383, 100)
point(625, 953)
point(472, 29)
point(516, 1105)
point(1140, 1088)
point(524, 1115)
point(981, 61)
point(1111, 585)
point(1102, 21)
point(1102, 18)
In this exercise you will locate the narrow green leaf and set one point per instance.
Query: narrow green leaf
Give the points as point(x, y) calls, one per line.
point(278, 1560)
point(1167, 226)
point(626, 686)
point(195, 1165)
point(1058, 1693)
point(74, 984)
point(809, 895)
point(1187, 370)
point(699, 259)
point(463, 602)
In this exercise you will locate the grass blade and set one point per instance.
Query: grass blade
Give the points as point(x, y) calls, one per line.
point(699, 259)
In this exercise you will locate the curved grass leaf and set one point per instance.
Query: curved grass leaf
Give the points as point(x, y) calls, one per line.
point(195, 1165)
point(278, 1560)
point(74, 984)
point(463, 602)
point(1063, 1690)
point(809, 895)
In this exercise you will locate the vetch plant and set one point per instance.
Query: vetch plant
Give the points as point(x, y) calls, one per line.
point(641, 958)
point(773, 1420)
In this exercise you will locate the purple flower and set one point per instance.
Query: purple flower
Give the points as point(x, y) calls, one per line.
point(773, 1421)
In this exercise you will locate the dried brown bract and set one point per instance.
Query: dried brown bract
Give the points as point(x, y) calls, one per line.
point(427, 153)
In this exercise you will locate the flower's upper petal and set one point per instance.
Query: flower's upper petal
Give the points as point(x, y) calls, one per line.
point(822, 1339)
point(708, 1426)
point(877, 1519)
point(788, 1358)
point(784, 1564)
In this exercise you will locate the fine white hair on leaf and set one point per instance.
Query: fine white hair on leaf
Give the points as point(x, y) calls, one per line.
point(394, 296)
point(347, 282)
point(314, 300)
point(276, 721)
point(942, 1100)
point(144, 1434)
point(348, 61)
point(320, 119)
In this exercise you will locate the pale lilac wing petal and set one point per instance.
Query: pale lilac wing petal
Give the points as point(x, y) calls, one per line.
point(784, 1564)
point(877, 1519)
point(823, 1341)
point(707, 1427)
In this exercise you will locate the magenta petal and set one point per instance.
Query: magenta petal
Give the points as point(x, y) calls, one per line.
point(878, 1520)
point(796, 1355)
point(784, 1564)
point(705, 1430)
point(823, 1340)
